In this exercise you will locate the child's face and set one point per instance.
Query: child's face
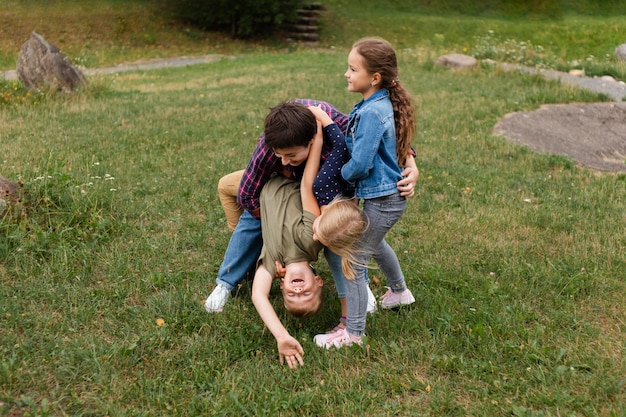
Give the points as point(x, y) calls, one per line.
point(359, 79)
point(300, 285)
point(293, 156)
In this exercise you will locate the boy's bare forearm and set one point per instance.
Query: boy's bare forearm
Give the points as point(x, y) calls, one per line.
point(260, 298)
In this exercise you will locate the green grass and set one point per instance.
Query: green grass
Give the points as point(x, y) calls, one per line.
point(109, 32)
point(516, 259)
point(573, 42)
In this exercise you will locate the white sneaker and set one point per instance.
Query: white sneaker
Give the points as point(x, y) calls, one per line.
point(371, 301)
point(217, 299)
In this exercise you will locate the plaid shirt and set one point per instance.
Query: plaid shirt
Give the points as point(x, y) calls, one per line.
point(264, 163)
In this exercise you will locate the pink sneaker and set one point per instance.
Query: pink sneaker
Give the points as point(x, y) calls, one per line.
point(395, 299)
point(337, 338)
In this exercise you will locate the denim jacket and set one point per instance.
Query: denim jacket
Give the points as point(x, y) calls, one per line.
point(371, 139)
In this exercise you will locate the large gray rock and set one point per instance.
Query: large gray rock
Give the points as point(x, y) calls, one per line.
point(620, 52)
point(42, 64)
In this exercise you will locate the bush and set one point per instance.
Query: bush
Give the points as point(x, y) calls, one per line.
point(242, 18)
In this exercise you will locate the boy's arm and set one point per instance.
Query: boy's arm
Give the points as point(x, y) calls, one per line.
point(288, 347)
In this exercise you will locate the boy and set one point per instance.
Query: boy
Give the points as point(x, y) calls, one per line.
point(288, 210)
point(287, 239)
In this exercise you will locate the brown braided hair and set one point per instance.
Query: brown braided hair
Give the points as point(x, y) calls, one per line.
point(380, 57)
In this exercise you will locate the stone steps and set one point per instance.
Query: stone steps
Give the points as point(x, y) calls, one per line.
point(306, 29)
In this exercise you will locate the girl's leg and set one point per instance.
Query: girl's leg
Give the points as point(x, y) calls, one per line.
point(383, 213)
point(356, 309)
point(390, 267)
point(356, 301)
point(334, 263)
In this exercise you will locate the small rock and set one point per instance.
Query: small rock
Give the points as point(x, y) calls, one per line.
point(620, 52)
point(13, 198)
point(577, 72)
point(456, 61)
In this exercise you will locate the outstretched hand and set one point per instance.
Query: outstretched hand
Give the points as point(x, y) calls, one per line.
point(290, 351)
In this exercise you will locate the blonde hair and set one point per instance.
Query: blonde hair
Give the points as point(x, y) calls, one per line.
point(339, 228)
point(380, 57)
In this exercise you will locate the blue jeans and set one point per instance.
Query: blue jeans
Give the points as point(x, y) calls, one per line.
point(244, 250)
point(382, 213)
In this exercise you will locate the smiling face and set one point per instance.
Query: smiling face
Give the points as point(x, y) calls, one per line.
point(293, 156)
point(301, 287)
point(360, 80)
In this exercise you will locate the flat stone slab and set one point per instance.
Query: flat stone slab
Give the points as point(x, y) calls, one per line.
point(594, 134)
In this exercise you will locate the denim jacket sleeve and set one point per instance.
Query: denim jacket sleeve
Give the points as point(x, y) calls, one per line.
point(365, 133)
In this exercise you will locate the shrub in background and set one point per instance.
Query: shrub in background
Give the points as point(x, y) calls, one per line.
point(242, 18)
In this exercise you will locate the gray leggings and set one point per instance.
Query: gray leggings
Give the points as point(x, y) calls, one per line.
point(382, 213)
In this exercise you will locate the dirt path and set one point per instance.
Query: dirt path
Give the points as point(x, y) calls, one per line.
point(142, 65)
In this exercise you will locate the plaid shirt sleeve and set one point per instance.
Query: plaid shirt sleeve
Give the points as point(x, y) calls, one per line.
point(262, 165)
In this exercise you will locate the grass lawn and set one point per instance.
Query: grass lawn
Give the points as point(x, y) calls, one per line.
point(516, 259)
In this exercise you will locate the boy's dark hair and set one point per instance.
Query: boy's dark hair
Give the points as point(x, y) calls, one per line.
point(288, 125)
